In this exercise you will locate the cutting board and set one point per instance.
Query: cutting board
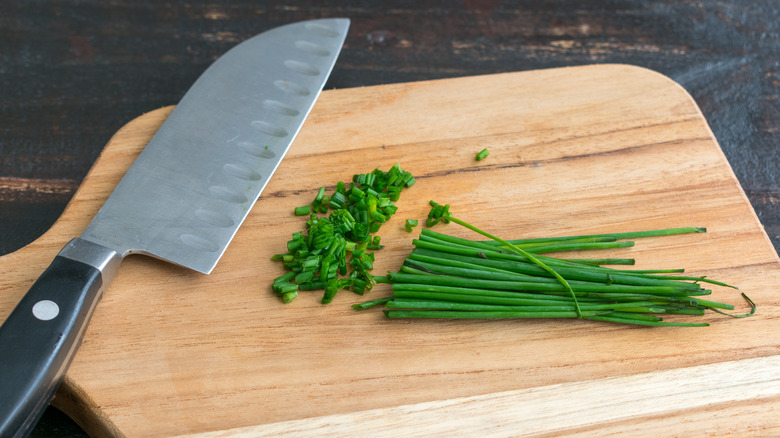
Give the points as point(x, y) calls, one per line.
point(594, 149)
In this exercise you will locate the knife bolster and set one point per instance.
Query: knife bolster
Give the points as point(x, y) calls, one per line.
point(99, 257)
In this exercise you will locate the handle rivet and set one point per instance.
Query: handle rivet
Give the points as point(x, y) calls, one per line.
point(45, 310)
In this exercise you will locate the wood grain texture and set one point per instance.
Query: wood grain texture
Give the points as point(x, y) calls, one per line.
point(573, 150)
point(679, 402)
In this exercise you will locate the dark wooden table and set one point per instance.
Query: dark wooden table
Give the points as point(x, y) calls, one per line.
point(72, 73)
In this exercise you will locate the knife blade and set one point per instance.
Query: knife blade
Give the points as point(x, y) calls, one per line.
point(182, 200)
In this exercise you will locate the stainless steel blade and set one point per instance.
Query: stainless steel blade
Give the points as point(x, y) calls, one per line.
point(195, 182)
point(182, 200)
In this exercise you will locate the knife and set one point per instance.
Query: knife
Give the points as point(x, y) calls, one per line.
point(182, 200)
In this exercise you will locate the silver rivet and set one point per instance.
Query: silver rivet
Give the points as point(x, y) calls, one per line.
point(45, 310)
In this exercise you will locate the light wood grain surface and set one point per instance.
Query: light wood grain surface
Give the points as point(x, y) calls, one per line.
point(575, 150)
point(694, 401)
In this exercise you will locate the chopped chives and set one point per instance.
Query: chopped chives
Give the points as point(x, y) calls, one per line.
point(372, 303)
point(303, 210)
point(334, 245)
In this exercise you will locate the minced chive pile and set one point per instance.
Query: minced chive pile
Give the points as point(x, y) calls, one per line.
point(452, 277)
point(317, 259)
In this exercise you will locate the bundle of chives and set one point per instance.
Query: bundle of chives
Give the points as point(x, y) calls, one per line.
point(453, 277)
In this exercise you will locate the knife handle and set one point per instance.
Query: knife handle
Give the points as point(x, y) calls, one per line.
point(39, 338)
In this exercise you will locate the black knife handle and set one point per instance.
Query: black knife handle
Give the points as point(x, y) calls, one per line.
point(39, 338)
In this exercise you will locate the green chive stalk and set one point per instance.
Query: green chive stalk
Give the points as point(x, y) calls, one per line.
point(442, 213)
point(452, 277)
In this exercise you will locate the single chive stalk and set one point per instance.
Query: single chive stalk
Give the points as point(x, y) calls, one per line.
point(481, 155)
point(450, 314)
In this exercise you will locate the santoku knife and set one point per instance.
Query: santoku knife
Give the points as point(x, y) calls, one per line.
point(181, 201)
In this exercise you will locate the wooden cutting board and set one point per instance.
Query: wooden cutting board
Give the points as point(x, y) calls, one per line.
point(572, 151)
